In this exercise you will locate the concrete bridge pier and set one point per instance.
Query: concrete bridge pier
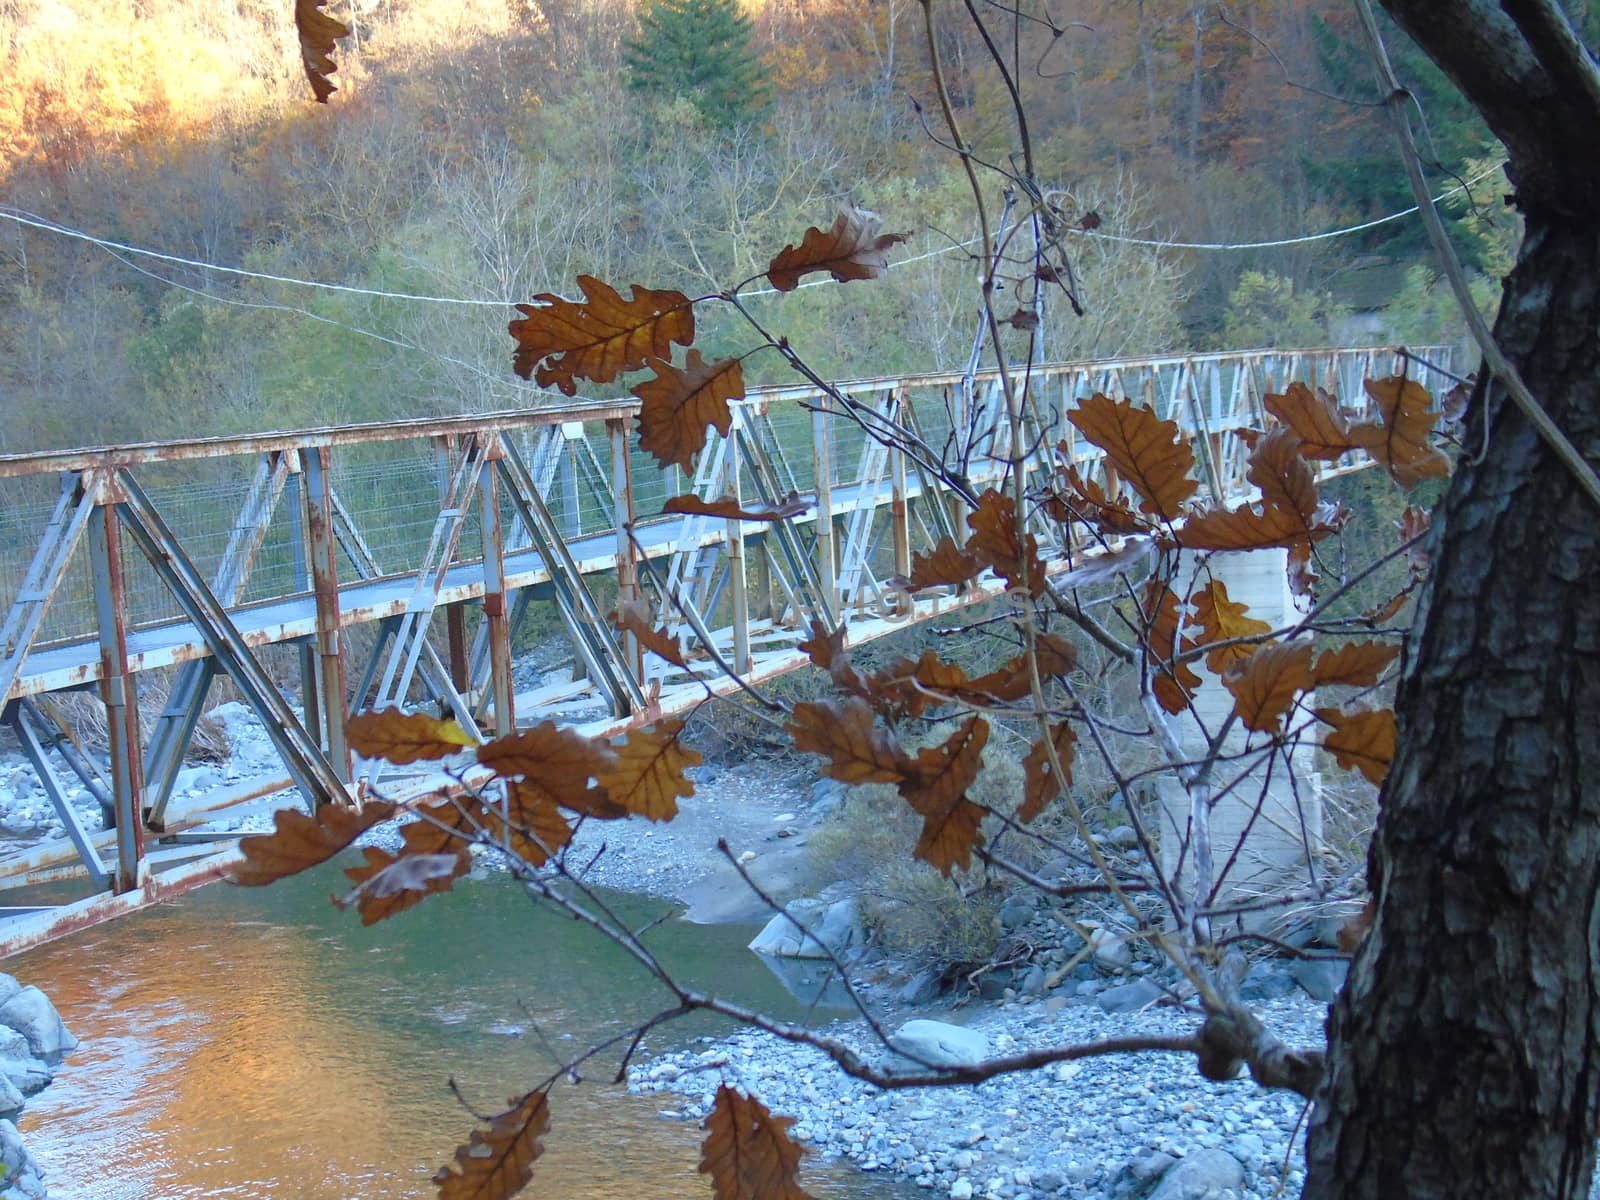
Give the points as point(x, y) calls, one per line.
point(1266, 824)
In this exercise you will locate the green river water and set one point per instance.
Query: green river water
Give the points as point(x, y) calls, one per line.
point(257, 1043)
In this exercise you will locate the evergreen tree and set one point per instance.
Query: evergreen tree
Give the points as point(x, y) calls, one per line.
point(698, 49)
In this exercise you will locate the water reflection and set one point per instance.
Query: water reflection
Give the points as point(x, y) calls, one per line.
point(257, 1044)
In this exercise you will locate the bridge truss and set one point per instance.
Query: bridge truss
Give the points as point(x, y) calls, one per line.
point(316, 573)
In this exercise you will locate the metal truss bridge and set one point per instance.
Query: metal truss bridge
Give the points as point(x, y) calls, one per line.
point(316, 573)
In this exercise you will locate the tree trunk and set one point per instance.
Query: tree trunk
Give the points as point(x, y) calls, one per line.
point(1463, 1053)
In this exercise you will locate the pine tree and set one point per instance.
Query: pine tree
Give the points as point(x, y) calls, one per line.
point(698, 49)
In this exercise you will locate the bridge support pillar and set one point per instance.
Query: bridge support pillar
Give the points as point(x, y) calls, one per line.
point(322, 552)
point(118, 686)
point(1266, 829)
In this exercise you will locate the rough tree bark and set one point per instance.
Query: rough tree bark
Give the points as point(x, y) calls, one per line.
point(1464, 1055)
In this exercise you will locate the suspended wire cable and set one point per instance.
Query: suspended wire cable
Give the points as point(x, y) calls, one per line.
point(34, 221)
point(1293, 241)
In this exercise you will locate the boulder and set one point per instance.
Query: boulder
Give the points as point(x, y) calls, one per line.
point(938, 1044)
point(1129, 997)
point(833, 928)
point(1109, 949)
point(21, 1180)
point(32, 1015)
point(1199, 1176)
point(1320, 977)
point(11, 1098)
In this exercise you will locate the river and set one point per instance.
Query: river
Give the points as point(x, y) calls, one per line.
point(259, 1044)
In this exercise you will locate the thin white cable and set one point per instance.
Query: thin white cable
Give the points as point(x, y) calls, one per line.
point(1294, 241)
point(107, 244)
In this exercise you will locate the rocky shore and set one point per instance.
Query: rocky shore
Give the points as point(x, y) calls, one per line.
point(32, 1043)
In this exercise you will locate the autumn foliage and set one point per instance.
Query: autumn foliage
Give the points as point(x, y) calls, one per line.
point(1036, 538)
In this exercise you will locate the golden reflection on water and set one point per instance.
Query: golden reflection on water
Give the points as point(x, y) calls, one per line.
point(250, 1045)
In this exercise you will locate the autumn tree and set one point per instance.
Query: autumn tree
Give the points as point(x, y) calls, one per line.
point(699, 50)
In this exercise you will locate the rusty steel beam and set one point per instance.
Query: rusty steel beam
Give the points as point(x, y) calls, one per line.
point(118, 689)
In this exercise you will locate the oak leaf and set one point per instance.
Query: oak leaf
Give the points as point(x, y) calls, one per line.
point(1055, 657)
point(402, 737)
point(1265, 685)
point(1039, 782)
point(1222, 619)
point(635, 617)
point(1289, 514)
point(1077, 497)
point(552, 763)
point(561, 341)
point(843, 732)
point(1354, 664)
point(386, 883)
point(748, 1151)
point(825, 648)
point(538, 830)
point(936, 788)
point(1151, 454)
point(299, 841)
point(1361, 741)
point(679, 403)
point(995, 543)
point(946, 565)
point(649, 775)
point(1173, 684)
point(853, 248)
point(497, 1163)
point(1400, 440)
point(317, 32)
point(730, 509)
point(914, 685)
point(1315, 419)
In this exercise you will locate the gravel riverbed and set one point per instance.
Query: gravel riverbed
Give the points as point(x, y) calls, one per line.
point(1113, 1127)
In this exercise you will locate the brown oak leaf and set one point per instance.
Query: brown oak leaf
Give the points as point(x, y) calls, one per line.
point(387, 884)
point(1315, 419)
point(748, 1151)
point(635, 617)
point(1222, 619)
point(1173, 685)
point(946, 565)
point(1039, 782)
point(299, 841)
point(825, 648)
point(550, 762)
point(1354, 664)
point(844, 732)
point(1361, 741)
point(680, 403)
point(853, 248)
point(561, 341)
point(1151, 454)
point(317, 32)
point(995, 543)
point(936, 788)
point(649, 775)
point(730, 509)
point(1399, 441)
point(1265, 685)
point(402, 737)
point(497, 1163)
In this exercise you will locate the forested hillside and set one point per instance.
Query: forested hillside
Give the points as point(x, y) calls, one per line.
point(489, 150)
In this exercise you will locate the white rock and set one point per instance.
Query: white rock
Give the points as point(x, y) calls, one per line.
point(961, 1189)
point(1203, 1173)
point(32, 1015)
point(939, 1044)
